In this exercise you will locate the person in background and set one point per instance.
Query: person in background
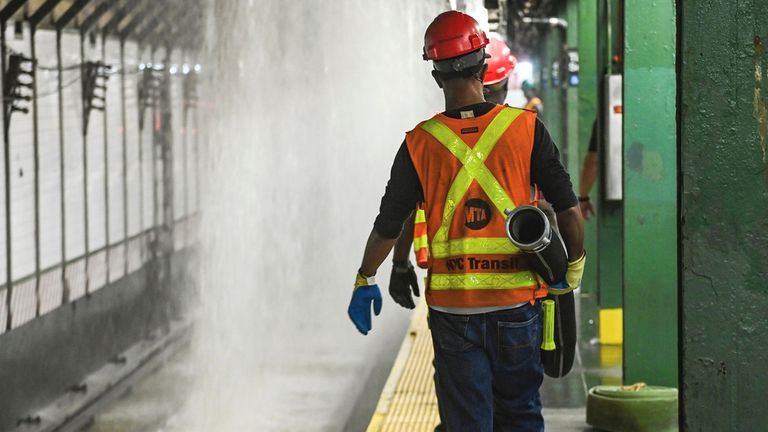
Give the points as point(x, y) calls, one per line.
point(534, 102)
point(588, 175)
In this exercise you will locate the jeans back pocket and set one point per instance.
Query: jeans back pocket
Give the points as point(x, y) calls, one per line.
point(450, 331)
point(518, 341)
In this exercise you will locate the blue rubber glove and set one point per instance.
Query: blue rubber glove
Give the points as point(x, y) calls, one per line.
point(560, 288)
point(359, 311)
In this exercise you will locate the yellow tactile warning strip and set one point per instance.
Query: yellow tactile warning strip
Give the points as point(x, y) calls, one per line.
point(408, 402)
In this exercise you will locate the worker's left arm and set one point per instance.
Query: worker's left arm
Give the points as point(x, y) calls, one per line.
point(402, 194)
point(548, 172)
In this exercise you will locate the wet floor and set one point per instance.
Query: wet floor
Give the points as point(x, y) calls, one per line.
point(312, 392)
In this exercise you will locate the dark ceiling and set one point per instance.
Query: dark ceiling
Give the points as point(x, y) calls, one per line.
point(176, 23)
point(525, 38)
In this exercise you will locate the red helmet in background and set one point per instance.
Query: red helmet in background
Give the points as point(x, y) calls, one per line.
point(453, 34)
point(501, 64)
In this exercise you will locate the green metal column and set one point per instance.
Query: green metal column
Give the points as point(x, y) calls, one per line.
point(724, 142)
point(650, 193)
point(551, 92)
point(587, 109)
point(572, 93)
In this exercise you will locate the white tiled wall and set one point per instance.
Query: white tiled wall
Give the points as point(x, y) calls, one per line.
point(117, 157)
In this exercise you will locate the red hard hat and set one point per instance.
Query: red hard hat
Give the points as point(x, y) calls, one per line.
point(453, 34)
point(501, 64)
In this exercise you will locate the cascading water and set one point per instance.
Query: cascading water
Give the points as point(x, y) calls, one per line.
point(309, 102)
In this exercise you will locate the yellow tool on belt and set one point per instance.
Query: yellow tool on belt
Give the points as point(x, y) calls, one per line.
point(548, 341)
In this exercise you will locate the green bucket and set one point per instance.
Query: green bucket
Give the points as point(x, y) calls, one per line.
point(637, 408)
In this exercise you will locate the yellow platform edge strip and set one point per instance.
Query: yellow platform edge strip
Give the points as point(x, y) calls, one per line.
point(388, 392)
point(611, 326)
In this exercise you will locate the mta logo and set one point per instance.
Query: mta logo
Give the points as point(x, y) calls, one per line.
point(477, 214)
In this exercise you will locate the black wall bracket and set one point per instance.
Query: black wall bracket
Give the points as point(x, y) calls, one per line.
point(17, 87)
point(95, 76)
point(149, 90)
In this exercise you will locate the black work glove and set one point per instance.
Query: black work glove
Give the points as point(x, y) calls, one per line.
point(401, 281)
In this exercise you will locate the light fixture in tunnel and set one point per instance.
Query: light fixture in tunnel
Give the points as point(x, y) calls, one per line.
point(185, 69)
point(553, 21)
point(174, 69)
point(198, 68)
point(524, 70)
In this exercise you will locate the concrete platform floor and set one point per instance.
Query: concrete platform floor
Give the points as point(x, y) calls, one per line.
point(161, 402)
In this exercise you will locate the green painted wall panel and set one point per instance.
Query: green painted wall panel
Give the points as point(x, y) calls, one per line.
point(550, 94)
point(724, 128)
point(650, 193)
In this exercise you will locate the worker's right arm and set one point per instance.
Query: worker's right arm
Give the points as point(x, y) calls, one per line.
point(402, 194)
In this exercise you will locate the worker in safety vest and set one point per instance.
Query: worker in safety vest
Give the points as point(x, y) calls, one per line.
point(403, 279)
point(534, 102)
point(467, 165)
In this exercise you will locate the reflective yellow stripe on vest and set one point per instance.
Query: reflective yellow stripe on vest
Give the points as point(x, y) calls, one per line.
point(482, 281)
point(470, 245)
point(473, 168)
point(420, 242)
point(421, 216)
point(420, 239)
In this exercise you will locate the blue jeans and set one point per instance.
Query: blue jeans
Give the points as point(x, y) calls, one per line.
point(488, 369)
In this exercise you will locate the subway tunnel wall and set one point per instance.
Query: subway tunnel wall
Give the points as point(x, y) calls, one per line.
point(724, 214)
point(96, 265)
point(115, 230)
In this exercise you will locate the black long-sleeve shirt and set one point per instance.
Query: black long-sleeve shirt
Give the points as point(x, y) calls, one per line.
point(404, 191)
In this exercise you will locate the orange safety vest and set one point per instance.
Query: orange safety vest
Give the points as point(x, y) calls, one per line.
point(420, 240)
point(471, 170)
